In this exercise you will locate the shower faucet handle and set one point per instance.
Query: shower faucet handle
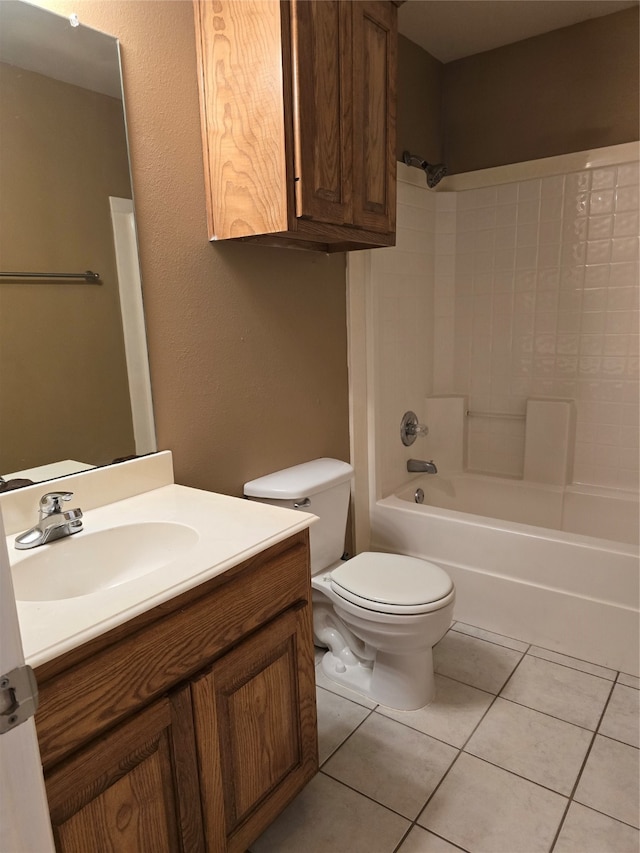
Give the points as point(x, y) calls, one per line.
point(418, 430)
point(411, 428)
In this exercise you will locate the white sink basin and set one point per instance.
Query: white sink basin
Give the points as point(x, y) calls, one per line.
point(88, 562)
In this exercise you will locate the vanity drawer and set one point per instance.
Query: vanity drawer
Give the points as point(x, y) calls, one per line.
point(176, 640)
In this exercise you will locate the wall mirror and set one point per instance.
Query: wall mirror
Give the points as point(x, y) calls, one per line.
point(74, 377)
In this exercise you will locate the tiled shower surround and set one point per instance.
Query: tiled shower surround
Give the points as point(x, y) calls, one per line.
point(526, 289)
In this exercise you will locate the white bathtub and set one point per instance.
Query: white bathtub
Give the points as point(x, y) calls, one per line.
point(561, 589)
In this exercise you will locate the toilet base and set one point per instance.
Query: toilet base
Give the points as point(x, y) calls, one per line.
point(402, 682)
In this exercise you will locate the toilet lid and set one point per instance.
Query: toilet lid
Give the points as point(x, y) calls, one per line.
point(390, 580)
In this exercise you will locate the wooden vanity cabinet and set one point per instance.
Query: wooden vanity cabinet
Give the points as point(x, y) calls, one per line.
point(297, 102)
point(191, 727)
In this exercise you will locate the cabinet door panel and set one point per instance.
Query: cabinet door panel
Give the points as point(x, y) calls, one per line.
point(256, 730)
point(321, 55)
point(241, 102)
point(119, 794)
point(374, 95)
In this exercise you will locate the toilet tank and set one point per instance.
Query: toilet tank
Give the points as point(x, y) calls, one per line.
point(321, 487)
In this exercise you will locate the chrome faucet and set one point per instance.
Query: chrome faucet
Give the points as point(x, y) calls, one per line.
point(419, 466)
point(53, 522)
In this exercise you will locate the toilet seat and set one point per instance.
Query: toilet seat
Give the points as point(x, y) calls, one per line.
point(392, 583)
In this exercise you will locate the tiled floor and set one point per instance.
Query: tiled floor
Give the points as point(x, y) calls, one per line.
point(523, 750)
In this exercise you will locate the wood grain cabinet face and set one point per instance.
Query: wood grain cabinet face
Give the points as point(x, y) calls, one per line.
point(297, 102)
point(121, 794)
point(190, 728)
point(374, 108)
point(255, 732)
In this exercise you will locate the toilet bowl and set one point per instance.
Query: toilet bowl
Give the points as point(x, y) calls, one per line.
point(378, 615)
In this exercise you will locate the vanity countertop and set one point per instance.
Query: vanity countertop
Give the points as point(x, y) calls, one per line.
point(229, 531)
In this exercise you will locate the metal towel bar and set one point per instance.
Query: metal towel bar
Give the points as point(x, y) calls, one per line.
point(87, 275)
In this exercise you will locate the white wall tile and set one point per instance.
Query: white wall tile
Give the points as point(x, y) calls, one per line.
point(524, 289)
point(629, 173)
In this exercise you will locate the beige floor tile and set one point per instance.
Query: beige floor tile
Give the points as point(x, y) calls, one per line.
point(337, 718)
point(573, 663)
point(500, 639)
point(609, 781)
point(421, 841)
point(485, 809)
point(621, 720)
point(453, 714)
point(474, 661)
point(327, 817)
point(573, 696)
point(586, 831)
point(391, 763)
point(323, 681)
point(534, 745)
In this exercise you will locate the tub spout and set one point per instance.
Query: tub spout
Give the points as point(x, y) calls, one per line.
point(420, 466)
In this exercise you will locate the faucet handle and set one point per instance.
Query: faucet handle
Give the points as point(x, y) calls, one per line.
point(411, 428)
point(52, 502)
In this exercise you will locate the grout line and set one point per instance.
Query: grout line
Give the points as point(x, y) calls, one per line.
point(495, 633)
point(511, 674)
point(367, 797)
point(455, 760)
point(414, 729)
point(342, 742)
point(575, 668)
point(547, 714)
point(518, 775)
point(630, 686)
point(604, 814)
point(437, 788)
point(398, 849)
point(466, 683)
point(581, 771)
point(617, 740)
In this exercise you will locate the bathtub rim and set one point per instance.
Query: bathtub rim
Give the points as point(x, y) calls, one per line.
point(551, 533)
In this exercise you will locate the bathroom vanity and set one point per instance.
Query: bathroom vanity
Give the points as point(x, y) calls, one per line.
point(185, 720)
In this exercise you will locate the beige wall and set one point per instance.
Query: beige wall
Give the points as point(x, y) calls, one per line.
point(568, 90)
point(419, 102)
point(247, 344)
point(63, 375)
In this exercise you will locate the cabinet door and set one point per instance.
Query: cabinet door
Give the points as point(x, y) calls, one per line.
point(321, 57)
point(255, 720)
point(120, 792)
point(374, 114)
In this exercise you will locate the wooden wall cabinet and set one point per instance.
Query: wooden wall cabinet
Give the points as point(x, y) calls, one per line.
point(191, 727)
point(297, 102)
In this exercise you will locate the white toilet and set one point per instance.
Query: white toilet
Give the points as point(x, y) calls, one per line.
point(379, 615)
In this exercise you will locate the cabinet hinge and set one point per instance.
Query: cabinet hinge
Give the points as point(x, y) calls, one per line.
point(18, 697)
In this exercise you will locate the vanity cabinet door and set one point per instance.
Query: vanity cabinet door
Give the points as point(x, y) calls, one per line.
point(120, 793)
point(255, 722)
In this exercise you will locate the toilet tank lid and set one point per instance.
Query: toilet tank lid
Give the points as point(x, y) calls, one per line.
point(300, 481)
